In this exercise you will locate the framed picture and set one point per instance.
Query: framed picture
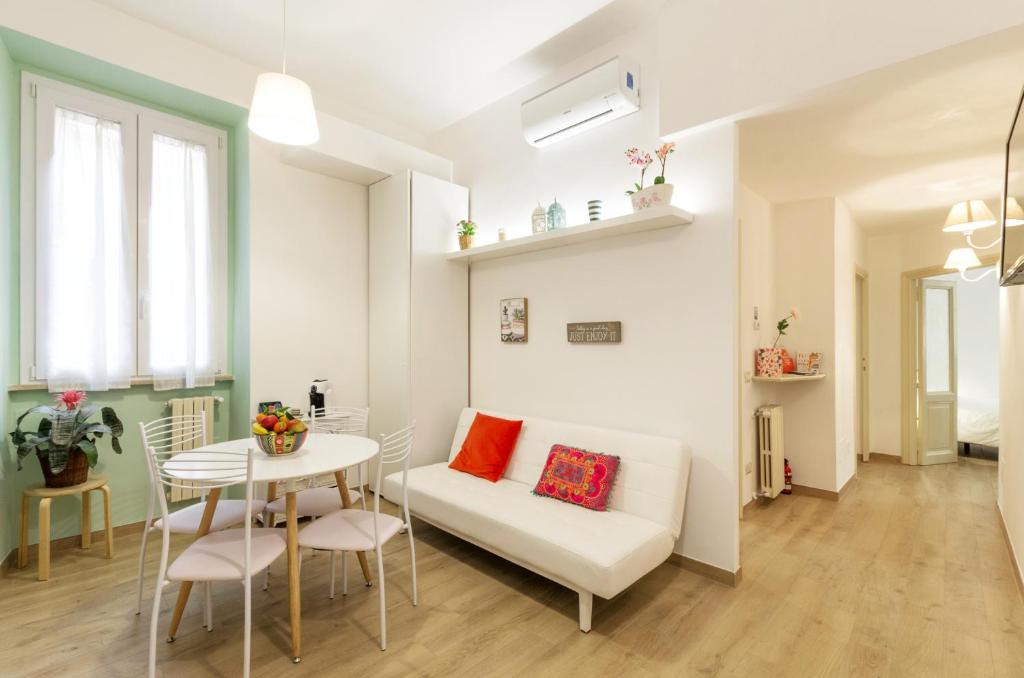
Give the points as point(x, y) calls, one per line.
point(513, 314)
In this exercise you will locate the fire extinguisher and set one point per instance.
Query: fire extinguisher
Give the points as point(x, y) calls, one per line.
point(787, 488)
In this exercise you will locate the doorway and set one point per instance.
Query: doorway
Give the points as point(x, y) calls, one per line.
point(862, 439)
point(951, 371)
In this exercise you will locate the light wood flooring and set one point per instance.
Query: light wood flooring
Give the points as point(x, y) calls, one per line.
point(907, 576)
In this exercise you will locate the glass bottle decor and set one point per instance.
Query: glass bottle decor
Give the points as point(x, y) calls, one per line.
point(540, 219)
point(556, 215)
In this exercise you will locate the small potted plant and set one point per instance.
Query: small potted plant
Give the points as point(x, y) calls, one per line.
point(467, 229)
point(65, 440)
point(660, 193)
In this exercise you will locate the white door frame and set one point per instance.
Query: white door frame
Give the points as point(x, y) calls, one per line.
point(864, 399)
point(909, 450)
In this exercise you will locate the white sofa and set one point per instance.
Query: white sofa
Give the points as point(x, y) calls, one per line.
point(591, 552)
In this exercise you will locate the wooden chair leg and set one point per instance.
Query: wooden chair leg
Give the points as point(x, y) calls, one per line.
point(86, 520)
point(23, 543)
point(44, 539)
point(108, 524)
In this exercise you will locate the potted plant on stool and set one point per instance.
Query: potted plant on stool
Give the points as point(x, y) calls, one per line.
point(65, 440)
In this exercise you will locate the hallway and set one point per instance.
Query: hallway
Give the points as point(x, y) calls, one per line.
point(907, 576)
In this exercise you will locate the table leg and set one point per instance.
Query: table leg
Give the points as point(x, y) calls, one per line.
point(294, 600)
point(44, 539)
point(346, 502)
point(108, 524)
point(186, 586)
point(23, 544)
point(271, 496)
point(86, 520)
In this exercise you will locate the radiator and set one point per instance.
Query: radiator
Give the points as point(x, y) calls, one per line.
point(183, 407)
point(771, 450)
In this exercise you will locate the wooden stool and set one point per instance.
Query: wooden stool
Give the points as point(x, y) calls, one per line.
point(46, 495)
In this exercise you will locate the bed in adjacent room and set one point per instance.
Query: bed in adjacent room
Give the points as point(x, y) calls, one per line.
point(978, 428)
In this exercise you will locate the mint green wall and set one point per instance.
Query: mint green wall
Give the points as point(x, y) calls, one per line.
point(126, 472)
point(8, 216)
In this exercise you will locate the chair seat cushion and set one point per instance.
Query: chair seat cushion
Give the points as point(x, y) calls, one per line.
point(600, 552)
point(315, 501)
point(229, 512)
point(348, 530)
point(221, 555)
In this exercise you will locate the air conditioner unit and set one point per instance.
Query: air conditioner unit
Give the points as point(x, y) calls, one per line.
point(602, 94)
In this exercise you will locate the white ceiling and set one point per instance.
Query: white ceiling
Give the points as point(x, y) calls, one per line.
point(412, 66)
point(898, 145)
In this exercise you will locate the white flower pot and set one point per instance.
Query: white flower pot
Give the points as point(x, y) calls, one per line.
point(658, 195)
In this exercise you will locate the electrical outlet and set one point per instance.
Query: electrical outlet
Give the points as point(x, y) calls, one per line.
point(757, 319)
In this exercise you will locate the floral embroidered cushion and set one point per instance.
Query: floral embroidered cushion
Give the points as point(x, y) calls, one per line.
point(578, 477)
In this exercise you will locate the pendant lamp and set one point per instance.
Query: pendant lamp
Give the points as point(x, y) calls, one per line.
point(282, 108)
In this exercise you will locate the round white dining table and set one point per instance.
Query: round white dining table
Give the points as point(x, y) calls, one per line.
point(322, 453)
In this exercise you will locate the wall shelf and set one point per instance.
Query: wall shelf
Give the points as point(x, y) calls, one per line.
point(647, 220)
point(787, 378)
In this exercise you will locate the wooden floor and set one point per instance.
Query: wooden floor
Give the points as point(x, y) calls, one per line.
point(907, 576)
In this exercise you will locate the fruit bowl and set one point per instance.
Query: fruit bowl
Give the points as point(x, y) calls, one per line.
point(279, 431)
point(276, 444)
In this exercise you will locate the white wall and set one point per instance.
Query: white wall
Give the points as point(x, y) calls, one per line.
point(889, 256)
point(757, 288)
point(1011, 404)
point(977, 336)
point(850, 253)
point(723, 57)
point(309, 282)
point(805, 275)
point(674, 290)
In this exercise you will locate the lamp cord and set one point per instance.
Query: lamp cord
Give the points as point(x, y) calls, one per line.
point(963, 275)
point(284, 37)
point(983, 247)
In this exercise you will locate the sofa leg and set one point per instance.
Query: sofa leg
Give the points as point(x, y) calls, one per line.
point(586, 610)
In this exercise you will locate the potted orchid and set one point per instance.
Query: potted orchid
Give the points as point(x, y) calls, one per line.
point(660, 193)
point(65, 440)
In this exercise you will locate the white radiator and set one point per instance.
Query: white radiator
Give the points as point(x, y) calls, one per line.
point(181, 407)
point(771, 450)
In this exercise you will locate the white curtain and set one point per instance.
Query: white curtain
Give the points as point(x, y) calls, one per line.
point(181, 341)
point(85, 293)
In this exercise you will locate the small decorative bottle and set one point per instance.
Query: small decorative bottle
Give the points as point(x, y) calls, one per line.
point(556, 216)
point(540, 219)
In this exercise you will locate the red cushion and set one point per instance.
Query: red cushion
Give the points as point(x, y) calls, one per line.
point(578, 477)
point(488, 447)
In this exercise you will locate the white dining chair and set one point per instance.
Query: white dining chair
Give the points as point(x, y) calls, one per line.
point(228, 555)
point(314, 502)
point(361, 530)
point(173, 434)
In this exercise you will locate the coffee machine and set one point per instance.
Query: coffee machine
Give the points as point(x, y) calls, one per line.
point(317, 392)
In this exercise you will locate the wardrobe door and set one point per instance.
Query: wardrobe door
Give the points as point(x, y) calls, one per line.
point(440, 317)
point(389, 286)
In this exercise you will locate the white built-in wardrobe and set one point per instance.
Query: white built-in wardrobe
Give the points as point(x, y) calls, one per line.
point(419, 311)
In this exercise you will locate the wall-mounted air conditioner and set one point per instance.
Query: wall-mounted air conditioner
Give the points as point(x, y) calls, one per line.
point(602, 94)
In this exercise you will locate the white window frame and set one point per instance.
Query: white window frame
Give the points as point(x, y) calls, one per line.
point(40, 95)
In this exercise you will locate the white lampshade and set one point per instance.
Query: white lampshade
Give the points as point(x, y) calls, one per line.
point(968, 216)
point(1014, 213)
point(962, 259)
point(282, 110)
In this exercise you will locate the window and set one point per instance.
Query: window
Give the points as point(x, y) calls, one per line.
point(123, 247)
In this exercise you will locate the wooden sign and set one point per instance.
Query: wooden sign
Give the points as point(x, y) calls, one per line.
point(594, 333)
